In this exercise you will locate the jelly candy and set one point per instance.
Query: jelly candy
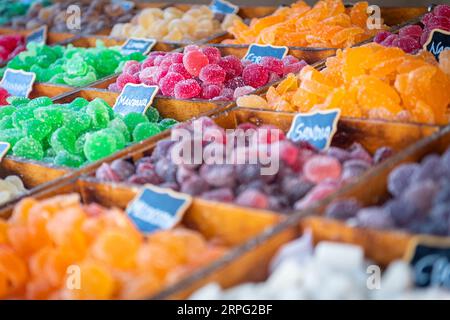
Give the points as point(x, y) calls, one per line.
point(28, 148)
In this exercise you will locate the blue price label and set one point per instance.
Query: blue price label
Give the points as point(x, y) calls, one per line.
point(430, 259)
point(135, 98)
point(156, 208)
point(4, 148)
point(138, 45)
point(223, 7)
point(438, 41)
point(317, 128)
point(126, 5)
point(256, 52)
point(17, 82)
point(39, 35)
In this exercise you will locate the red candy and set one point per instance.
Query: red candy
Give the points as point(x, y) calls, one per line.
point(273, 64)
point(212, 53)
point(179, 68)
point(3, 95)
point(255, 75)
point(167, 84)
point(10, 46)
point(210, 91)
point(187, 89)
point(212, 74)
point(194, 61)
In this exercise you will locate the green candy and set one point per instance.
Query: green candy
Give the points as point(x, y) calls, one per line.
point(78, 122)
point(28, 148)
point(17, 101)
point(6, 123)
point(152, 114)
point(118, 124)
point(97, 109)
point(36, 129)
point(78, 103)
point(51, 115)
point(11, 136)
point(40, 102)
point(118, 136)
point(63, 139)
point(66, 159)
point(7, 111)
point(144, 131)
point(99, 145)
point(132, 119)
point(167, 123)
point(22, 114)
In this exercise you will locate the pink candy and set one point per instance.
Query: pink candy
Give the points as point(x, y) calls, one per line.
point(255, 75)
point(319, 168)
point(187, 89)
point(194, 61)
point(167, 84)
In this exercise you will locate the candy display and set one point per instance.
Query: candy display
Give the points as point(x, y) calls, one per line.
point(328, 24)
point(201, 72)
point(11, 46)
point(411, 38)
point(369, 81)
point(260, 151)
point(10, 187)
point(329, 271)
point(95, 16)
point(305, 175)
point(113, 258)
point(70, 65)
point(420, 199)
point(173, 24)
point(72, 134)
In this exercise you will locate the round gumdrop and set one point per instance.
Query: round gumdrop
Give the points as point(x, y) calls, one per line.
point(232, 66)
point(381, 36)
point(167, 84)
point(187, 89)
point(132, 119)
point(180, 69)
point(407, 44)
point(125, 78)
point(28, 148)
point(235, 83)
point(146, 75)
point(389, 40)
point(442, 10)
point(98, 145)
point(273, 64)
point(144, 131)
point(253, 198)
point(414, 31)
point(242, 91)
point(212, 74)
point(194, 61)
point(212, 53)
point(255, 75)
point(210, 91)
point(319, 168)
point(131, 67)
point(63, 139)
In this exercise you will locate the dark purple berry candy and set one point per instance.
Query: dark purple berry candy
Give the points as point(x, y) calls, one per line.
point(343, 209)
point(430, 169)
point(421, 195)
point(222, 195)
point(194, 186)
point(162, 149)
point(166, 170)
point(357, 151)
point(340, 154)
point(219, 175)
point(247, 173)
point(400, 178)
point(170, 185)
point(148, 177)
point(253, 198)
point(295, 188)
point(123, 168)
point(402, 212)
point(375, 217)
point(429, 226)
point(105, 173)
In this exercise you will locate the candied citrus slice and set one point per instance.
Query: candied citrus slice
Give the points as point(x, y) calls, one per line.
point(358, 14)
point(13, 268)
point(304, 100)
point(288, 84)
point(444, 61)
point(252, 101)
point(346, 37)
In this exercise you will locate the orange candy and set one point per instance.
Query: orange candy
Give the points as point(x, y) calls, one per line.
point(328, 24)
point(369, 81)
point(60, 249)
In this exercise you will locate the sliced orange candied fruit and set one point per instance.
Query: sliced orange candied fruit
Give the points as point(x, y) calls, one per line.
point(369, 81)
point(90, 252)
point(327, 24)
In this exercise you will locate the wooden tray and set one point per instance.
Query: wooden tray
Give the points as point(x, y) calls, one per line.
point(392, 17)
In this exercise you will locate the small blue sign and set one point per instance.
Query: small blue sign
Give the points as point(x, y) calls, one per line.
point(138, 45)
point(317, 128)
point(17, 82)
point(223, 7)
point(438, 41)
point(4, 148)
point(256, 52)
point(157, 209)
point(126, 5)
point(135, 98)
point(39, 35)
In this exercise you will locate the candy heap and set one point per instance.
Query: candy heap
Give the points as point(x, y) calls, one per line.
point(10, 46)
point(370, 81)
point(10, 9)
point(10, 187)
point(3, 95)
point(46, 243)
point(172, 24)
point(420, 200)
point(204, 73)
point(304, 175)
point(72, 134)
point(330, 271)
point(412, 37)
point(328, 25)
point(95, 16)
point(70, 65)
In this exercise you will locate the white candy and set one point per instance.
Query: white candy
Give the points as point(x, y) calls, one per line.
point(340, 256)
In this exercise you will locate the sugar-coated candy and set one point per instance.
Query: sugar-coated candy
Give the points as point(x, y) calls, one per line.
point(330, 271)
point(304, 175)
point(72, 134)
point(173, 24)
point(201, 72)
point(374, 81)
point(46, 240)
point(71, 65)
point(327, 24)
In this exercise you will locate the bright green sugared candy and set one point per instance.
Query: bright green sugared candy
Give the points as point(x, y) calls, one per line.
point(22, 114)
point(28, 148)
point(118, 124)
point(11, 136)
point(6, 123)
point(51, 115)
point(63, 139)
point(118, 136)
point(17, 101)
point(144, 131)
point(36, 129)
point(70, 65)
point(99, 145)
point(66, 159)
point(78, 104)
point(167, 123)
point(40, 102)
point(6, 111)
point(97, 109)
point(152, 114)
point(77, 121)
point(132, 119)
